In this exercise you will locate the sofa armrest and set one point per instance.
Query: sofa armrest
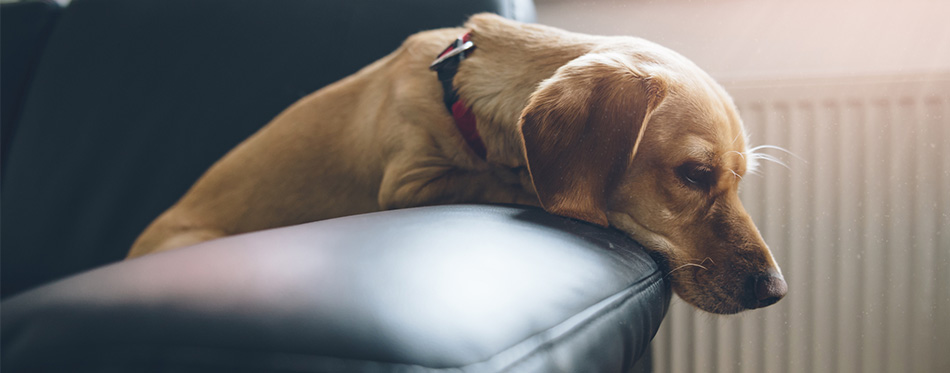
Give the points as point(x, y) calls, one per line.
point(478, 288)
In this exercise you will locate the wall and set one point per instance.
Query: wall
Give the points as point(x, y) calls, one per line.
point(741, 39)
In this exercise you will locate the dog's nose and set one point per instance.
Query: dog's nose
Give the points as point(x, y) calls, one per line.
point(770, 287)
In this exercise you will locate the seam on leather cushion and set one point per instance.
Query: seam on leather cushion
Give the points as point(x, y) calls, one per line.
point(573, 326)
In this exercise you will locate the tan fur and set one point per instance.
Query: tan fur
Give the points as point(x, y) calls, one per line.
point(589, 127)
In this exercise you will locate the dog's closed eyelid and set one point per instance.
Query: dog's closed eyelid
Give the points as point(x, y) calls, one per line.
point(695, 174)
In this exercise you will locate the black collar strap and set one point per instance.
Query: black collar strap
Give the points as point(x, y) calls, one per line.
point(447, 64)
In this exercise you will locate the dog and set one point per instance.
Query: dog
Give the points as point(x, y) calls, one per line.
point(614, 131)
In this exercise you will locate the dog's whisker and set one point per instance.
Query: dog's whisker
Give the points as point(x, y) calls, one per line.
point(741, 154)
point(737, 137)
point(770, 158)
point(767, 146)
point(689, 265)
point(755, 150)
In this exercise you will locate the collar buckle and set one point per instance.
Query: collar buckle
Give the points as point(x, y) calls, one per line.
point(460, 48)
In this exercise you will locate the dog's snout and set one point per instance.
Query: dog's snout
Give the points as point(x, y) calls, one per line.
point(770, 287)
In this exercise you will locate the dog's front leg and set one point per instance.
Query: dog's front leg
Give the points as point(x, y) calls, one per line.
point(431, 181)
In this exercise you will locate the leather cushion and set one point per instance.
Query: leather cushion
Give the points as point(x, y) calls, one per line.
point(479, 288)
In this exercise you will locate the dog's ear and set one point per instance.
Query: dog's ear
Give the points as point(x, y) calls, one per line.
point(581, 129)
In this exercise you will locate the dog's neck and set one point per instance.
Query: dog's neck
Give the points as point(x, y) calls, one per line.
point(497, 80)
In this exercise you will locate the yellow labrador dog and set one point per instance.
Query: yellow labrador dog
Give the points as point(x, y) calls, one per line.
point(610, 130)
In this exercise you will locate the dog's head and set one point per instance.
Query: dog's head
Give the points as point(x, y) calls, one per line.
point(650, 144)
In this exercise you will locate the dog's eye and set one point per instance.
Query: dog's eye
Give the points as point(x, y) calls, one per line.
point(695, 174)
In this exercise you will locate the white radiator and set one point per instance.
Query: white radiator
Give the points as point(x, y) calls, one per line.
point(860, 227)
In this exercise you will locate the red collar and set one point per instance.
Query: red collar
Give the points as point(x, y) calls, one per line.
point(446, 65)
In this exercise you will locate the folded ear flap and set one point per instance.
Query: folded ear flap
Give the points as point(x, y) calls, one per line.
point(581, 129)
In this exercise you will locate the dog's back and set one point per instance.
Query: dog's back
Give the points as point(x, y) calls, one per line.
point(323, 157)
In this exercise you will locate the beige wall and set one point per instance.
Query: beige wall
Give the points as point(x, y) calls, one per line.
point(769, 38)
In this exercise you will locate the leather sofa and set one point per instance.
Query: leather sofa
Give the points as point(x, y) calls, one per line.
point(112, 108)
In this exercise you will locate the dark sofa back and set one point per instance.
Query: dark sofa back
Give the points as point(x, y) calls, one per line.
point(133, 99)
point(24, 29)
